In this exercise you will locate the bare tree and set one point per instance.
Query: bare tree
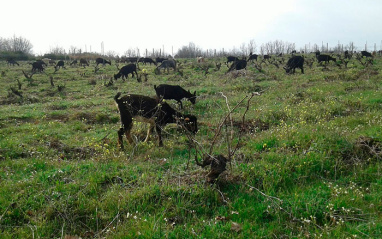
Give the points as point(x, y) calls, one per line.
point(350, 47)
point(252, 46)
point(279, 46)
point(21, 44)
point(73, 50)
point(290, 47)
point(3, 44)
point(244, 49)
point(16, 44)
point(190, 51)
point(316, 48)
point(130, 53)
point(111, 54)
point(57, 50)
point(262, 49)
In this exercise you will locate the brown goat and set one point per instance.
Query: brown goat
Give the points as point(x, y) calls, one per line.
point(149, 110)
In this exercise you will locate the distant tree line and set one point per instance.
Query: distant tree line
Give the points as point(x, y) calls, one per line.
point(17, 48)
point(245, 49)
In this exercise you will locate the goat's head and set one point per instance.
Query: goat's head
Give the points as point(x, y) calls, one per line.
point(192, 97)
point(287, 69)
point(116, 76)
point(189, 122)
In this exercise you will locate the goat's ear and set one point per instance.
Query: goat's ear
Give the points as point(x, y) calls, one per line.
point(195, 93)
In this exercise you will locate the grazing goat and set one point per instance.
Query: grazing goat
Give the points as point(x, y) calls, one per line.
point(12, 62)
point(366, 54)
point(84, 62)
point(160, 59)
point(166, 64)
point(131, 59)
point(174, 92)
point(102, 61)
point(126, 70)
point(266, 57)
point(75, 62)
point(59, 64)
point(145, 60)
point(231, 59)
point(42, 62)
point(238, 65)
point(325, 58)
point(252, 57)
point(38, 66)
point(149, 110)
point(293, 63)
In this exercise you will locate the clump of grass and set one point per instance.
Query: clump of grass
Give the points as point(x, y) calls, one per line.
point(306, 162)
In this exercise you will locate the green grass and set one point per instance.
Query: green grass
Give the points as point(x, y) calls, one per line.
point(307, 164)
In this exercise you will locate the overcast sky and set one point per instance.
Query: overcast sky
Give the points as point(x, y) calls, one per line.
point(209, 24)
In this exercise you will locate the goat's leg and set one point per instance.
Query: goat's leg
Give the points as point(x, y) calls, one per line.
point(120, 138)
point(127, 124)
point(121, 132)
point(150, 129)
point(128, 136)
point(159, 132)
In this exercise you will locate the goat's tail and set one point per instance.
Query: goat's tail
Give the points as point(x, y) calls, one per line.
point(117, 96)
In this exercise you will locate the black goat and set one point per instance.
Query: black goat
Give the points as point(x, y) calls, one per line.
point(160, 59)
point(266, 57)
point(59, 64)
point(126, 70)
point(131, 59)
point(238, 65)
point(84, 62)
point(42, 62)
point(145, 60)
point(174, 92)
point(38, 66)
point(102, 61)
point(231, 59)
point(293, 63)
point(74, 62)
point(166, 64)
point(366, 54)
point(253, 57)
point(149, 110)
point(12, 62)
point(325, 58)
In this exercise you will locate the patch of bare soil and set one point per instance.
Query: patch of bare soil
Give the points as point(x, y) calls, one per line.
point(67, 152)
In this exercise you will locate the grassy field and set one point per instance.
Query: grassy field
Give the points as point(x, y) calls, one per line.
point(306, 155)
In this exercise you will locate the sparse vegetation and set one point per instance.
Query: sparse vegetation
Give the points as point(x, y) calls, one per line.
point(301, 160)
